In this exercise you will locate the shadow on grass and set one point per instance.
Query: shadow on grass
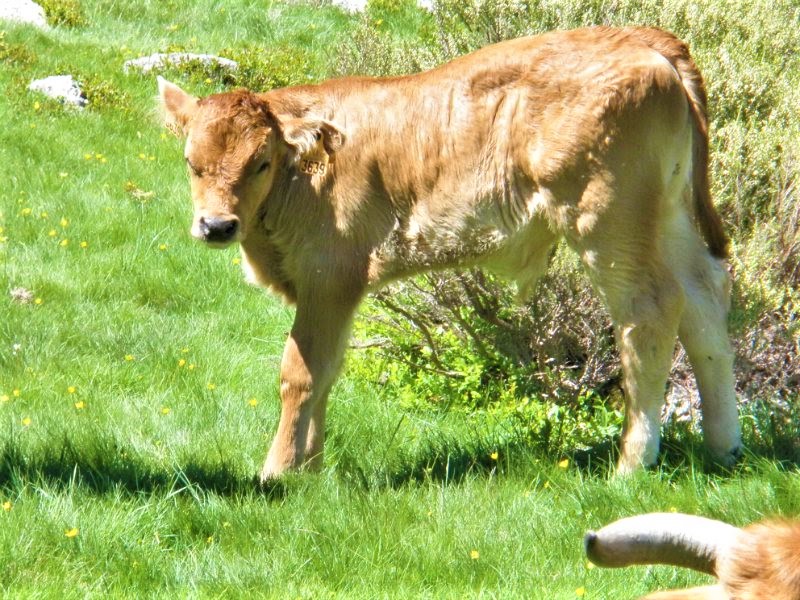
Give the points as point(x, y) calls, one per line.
point(106, 467)
point(450, 461)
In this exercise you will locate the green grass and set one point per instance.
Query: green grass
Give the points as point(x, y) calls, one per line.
point(126, 386)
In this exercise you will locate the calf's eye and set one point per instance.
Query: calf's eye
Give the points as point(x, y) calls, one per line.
point(263, 166)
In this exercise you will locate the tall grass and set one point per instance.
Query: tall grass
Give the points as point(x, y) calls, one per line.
point(138, 373)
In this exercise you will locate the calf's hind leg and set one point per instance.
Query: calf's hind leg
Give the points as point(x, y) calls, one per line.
point(645, 302)
point(646, 325)
point(703, 333)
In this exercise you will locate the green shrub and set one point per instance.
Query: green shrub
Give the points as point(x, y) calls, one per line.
point(65, 13)
point(260, 68)
point(102, 94)
point(374, 50)
point(265, 68)
point(458, 342)
point(15, 54)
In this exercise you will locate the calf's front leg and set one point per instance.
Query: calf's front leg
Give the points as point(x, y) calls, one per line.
point(311, 360)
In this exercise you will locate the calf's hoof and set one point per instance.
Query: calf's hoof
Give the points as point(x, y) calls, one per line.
point(727, 459)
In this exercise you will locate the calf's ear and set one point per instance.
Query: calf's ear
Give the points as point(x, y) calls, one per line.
point(304, 135)
point(178, 106)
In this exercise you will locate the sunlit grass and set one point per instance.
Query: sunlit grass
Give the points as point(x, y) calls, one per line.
point(139, 383)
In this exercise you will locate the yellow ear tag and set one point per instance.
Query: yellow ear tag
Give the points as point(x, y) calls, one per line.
point(315, 161)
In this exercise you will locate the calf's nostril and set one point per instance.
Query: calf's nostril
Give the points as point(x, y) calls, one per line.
point(216, 229)
point(229, 228)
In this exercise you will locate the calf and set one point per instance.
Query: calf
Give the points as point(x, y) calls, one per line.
point(597, 135)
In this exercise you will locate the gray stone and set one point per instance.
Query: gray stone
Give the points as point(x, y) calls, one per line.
point(23, 11)
point(357, 6)
point(158, 61)
point(60, 87)
point(351, 5)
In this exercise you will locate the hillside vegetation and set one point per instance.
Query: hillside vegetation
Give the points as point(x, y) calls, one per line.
point(470, 439)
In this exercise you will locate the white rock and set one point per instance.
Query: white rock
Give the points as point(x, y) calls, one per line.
point(23, 11)
point(360, 5)
point(351, 5)
point(60, 87)
point(145, 64)
point(21, 295)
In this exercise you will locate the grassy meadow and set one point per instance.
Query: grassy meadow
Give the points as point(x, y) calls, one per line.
point(139, 373)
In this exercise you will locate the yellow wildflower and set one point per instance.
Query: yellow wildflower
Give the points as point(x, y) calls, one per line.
point(494, 455)
point(580, 591)
point(474, 555)
point(63, 243)
point(84, 244)
point(80, 405)
point(7, 506)
point(253, 402)
point(52, 233)
point(563, 464)
point(38, 301)
point(15, 392)
point(63, 222)
point(4, 398)
point(72, 389)
point(130, 358)
point(182, 362)
point(26, 421)
point(71, 533)
point(211, 386)
point(165, 410)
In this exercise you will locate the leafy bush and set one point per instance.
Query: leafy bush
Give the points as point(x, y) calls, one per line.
point(265, 68)
point(458, 342)
point(102, 94)
point(373, 49)
point(260, 68)
point(66, 13)
point(17, 54)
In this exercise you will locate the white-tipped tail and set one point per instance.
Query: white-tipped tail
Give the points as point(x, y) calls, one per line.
point(663, 538)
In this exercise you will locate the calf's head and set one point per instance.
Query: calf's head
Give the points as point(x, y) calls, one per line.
point(235, 148)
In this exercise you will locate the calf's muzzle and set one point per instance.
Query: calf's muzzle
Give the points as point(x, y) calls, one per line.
point(218, 230)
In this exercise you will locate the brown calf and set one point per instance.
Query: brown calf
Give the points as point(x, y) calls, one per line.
point(594, 135)
point(759, 562)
